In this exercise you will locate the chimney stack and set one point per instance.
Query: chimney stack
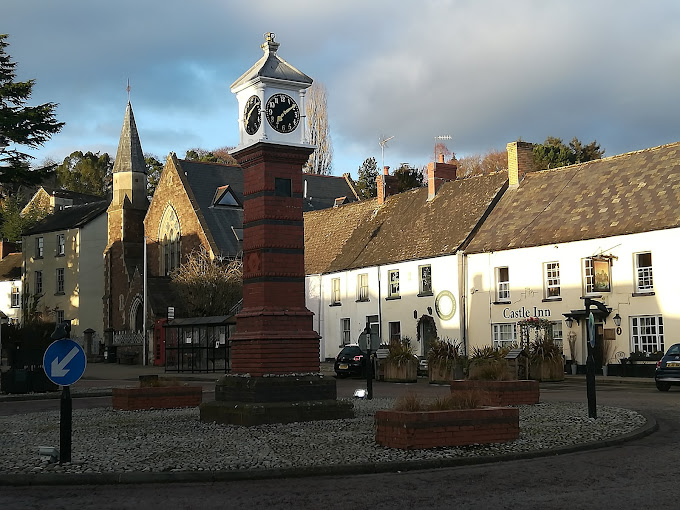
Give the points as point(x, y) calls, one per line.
point(437, 174)
point(520, 161)
point(6, 248)
point(387, 185)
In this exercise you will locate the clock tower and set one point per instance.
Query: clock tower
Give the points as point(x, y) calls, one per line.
point(274, 332)
point(275, 342)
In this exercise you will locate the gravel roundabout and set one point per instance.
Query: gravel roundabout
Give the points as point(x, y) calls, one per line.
point(162, 441)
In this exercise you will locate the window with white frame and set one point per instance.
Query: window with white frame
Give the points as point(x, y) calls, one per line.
point(60, 280)
point(39, 247)
point(38, 282)
point(646, 333)
point(596, 275)
point(502, 284)
point(335, 291)
point(552, 280)
point(16, 297)
point(425, 273)
point(504, 335)
point(557, 334)
point(345, 331)
point(395, 331)
point(362, 286)
point(393, 282)
point(643, 272)
point(61, 245)
point(60, 316)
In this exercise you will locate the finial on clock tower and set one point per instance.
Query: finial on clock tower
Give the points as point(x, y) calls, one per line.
point(269, 45)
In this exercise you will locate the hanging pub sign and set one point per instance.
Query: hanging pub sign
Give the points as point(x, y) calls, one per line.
point(601, 279)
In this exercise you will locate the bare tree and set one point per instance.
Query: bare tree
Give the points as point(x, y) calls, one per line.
point(316, 109)
point(208, 287)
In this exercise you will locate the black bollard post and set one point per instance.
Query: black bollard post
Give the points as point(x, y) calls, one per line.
point(369, 374)
point(65, 426)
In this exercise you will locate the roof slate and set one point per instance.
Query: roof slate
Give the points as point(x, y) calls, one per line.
point(629, 193)
point(206, 178)
point(10, 267)
point(129, 157)
point(70, 217)
point(406, 227)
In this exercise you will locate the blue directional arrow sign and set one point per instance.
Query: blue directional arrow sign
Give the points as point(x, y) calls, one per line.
point(64, 362)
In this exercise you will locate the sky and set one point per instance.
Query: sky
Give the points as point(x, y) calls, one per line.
point(484, 72)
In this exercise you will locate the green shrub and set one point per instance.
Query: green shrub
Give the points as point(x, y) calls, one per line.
point(401, 352)
point(544, 350)
point(466, 399)
point(445, 353)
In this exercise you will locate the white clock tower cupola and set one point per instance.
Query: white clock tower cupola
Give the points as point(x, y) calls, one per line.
point(271, 100)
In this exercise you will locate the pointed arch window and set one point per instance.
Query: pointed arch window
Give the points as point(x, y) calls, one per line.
point(169, 232)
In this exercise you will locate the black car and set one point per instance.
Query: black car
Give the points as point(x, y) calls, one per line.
point(350, 361)
point(668, 369)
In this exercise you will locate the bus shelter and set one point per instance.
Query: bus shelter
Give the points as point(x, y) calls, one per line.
point(199, 344)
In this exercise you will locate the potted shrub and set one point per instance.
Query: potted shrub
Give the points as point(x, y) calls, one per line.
point(455, 420)
point(444, 361)
point(546, 360)
point(401, 363)
point(489, 371)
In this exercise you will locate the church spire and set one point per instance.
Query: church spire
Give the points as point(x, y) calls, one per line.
point(129, 168)
point(129, 157)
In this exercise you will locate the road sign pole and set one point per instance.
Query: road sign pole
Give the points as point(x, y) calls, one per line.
point(65, 425)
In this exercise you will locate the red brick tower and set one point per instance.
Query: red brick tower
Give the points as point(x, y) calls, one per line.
point(274, 329)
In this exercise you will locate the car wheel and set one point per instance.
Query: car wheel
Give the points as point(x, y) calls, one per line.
point(663, 386)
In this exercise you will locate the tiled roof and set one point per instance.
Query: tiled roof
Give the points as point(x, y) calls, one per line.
point(70, 217)
point(206, 178)
point(406, 227)
point(322, 190)
point(10, 267)
point(630, 193)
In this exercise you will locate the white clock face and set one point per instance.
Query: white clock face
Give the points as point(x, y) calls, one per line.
point(282, 113)
point(251, 115)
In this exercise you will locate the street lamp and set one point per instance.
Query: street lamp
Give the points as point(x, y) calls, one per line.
point(617, 319)
point(569, 322)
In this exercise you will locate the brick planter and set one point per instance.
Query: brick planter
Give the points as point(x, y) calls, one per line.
point(162, 397)
point(501, 393)
point(409, 430)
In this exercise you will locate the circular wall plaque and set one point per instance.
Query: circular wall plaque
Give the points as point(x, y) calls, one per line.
point(445, 304)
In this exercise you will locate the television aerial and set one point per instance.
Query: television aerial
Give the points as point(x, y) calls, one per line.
point(383, 142)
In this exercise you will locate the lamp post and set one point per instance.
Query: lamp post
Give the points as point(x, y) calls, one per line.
point(369, 363)
point(590, 361)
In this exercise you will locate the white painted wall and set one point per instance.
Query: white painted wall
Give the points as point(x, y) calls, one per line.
point(527, 286)
point(407, 310)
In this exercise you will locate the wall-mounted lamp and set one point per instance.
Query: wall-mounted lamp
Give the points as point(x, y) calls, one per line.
point(617, 319)
point(570, 322)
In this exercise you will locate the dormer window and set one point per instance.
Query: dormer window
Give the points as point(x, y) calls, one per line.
point(225, 196)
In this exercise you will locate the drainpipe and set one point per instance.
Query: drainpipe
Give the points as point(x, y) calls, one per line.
point(322, 344)
point(463, 302)
point(380, 327)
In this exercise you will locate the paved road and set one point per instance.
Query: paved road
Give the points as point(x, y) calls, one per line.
point(636, 476)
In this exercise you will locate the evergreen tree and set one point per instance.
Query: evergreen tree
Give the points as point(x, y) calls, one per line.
point(408, 177)
point(554, 153)
point(85, 173)
point(366, 183)
point(13, 223)
point(30, 126)
point(154, 169)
